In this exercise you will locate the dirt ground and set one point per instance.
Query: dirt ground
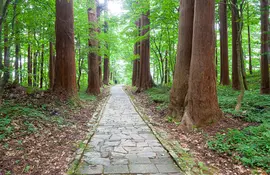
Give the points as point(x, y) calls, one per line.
point(51, 148)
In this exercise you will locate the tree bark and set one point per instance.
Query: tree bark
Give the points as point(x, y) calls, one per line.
point(93, 62)
point(1, 49)
point(138, 53)
point(98, 12)
point(6, 55)
point(224, 67)
point(20, 72)
point(265, 87)
point(249, 43)
point(35, 68)
point(235, 72)
point(65, 74)
point(202, 108)
point(106, 72)
point(146, 81)
point(138, 73)
point(17, 43)
point(81, 62)
point(135, 65)
point(41, 67)
point(182, 67)
point(134, 72)
point(51, 66)
point(166, 70)
point(17, 55)
point(29, 66)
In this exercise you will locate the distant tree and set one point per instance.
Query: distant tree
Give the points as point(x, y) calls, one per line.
point(29, 65)
point(106, 69)
point(6, 54)
point(235, 29)
point(146, 81)
point(51, 66)
point(224, 66)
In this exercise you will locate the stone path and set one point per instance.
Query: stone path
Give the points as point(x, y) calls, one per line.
point(124, 144)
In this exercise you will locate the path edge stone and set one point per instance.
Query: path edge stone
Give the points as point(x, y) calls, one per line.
point(94, 122)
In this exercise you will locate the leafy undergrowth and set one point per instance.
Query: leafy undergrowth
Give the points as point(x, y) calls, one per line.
point(250, 145)
point(160, 95)
point(39, 132)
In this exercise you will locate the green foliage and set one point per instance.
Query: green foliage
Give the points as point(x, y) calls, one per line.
point(5, 128)
point(26, 169)
point(169, 119)
point(24, 111)
point(159, 94)
point(251, 144)
point(86, 97)
point(255, 107)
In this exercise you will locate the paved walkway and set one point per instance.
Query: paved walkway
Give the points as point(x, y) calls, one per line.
point(124, 144)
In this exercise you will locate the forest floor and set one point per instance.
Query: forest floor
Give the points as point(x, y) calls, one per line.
point(238, 144)
point(39, 132)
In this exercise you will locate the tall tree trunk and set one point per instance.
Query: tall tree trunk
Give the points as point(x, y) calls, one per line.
point(182, 67)
point(138, 73)
point(6, 55)
point(1, 49)
point(224, 67)
point(98, 12)
point(65, 74)
point(146, 81)
point(202, 107)
point(241, 69)
point(81, 62)
point(134, 72)
point(166, 70)
point(93, 63)
point(29, 66)
point(17, 56)
point(51, 67)
point(106, 72)
point(41, 67)
point(249, 42)
point(138, 51)
point(17, 44)
point(235, 72)
point(20, 72)
point(265, 87)
point(35, 68)
point(135, 65)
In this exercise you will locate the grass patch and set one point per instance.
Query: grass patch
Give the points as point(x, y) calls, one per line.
point(251, 145)
point(86, 97)
point(255, 107)
point(159, 94)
